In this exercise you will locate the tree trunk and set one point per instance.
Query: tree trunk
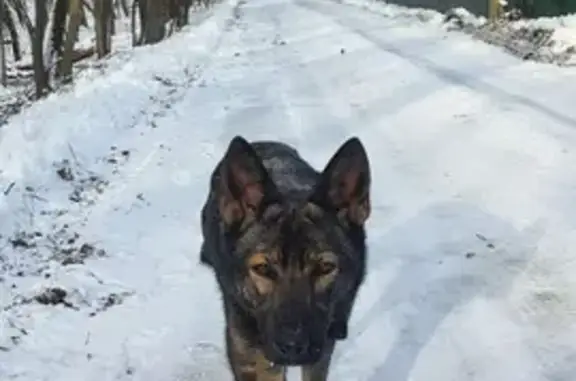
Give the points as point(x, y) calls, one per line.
point(154, 30)
point(179, 10)
point(84, 19)
point(37, 39)
point(138, 14)
point(123, 6)
point(3, 77)
point(187, 4)
point(113, 19)
point(75, 18)
point(14, 36)
point(103, 20)
point(58, 29)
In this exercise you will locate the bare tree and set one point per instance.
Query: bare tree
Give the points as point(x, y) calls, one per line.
point(122, 5)
point(53, 31)
point(153, 15)
point(86, 6)
point(104, 23)
point(180, 10)
point(37, 37)
point(18, 12)
point(75, 18)
point(3, 77)
point(58, 30)
point(10, 25)
point(154, 29)
point(138, 16)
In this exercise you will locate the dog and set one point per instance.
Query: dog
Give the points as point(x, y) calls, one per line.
point(287, 247)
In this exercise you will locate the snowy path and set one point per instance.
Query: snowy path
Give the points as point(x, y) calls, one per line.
point(472, 235)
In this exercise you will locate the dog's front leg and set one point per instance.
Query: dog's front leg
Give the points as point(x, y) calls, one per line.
point(249, 363)
point(319, 370)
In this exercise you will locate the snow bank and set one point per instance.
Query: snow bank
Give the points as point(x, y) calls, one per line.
point(57, 167)
point(546, 39)
point(398, 12)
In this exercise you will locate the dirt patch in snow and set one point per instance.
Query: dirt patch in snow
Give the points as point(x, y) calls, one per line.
point(43, 260)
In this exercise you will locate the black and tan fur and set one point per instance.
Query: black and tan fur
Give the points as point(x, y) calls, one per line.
point(287, 246)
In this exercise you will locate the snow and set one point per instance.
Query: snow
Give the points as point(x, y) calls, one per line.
point(471, 237)
point(563, 31)
point(544, 39)
point(20, 89)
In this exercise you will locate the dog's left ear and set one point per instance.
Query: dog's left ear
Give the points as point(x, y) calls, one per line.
point(344, 186)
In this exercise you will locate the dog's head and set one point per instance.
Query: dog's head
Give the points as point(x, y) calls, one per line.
point(293, 260)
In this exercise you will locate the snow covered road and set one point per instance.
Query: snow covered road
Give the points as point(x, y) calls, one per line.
point(471, 274)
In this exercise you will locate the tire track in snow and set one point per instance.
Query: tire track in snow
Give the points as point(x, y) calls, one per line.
point(450, 75)
point(432, 280)
point(133, 170)
point(270, 110)
point(433, 301)
point(434, 309)
point(122, 190)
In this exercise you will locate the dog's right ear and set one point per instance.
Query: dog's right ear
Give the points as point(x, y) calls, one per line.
point(344, 185)
point(244, 187)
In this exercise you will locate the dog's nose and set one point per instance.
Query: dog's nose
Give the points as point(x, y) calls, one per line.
point(291, 348)
point(291, 343)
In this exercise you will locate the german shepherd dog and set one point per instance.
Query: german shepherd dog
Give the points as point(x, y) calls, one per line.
point(287, 247)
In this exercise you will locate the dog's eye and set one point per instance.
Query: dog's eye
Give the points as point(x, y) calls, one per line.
point(263, 269)
point(325, 268)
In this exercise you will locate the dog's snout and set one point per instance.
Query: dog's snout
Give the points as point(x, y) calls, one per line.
point(291, 348)
point(291, 340)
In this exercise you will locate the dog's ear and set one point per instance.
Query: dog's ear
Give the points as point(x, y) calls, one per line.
point(344, 186)
point(243, 188)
